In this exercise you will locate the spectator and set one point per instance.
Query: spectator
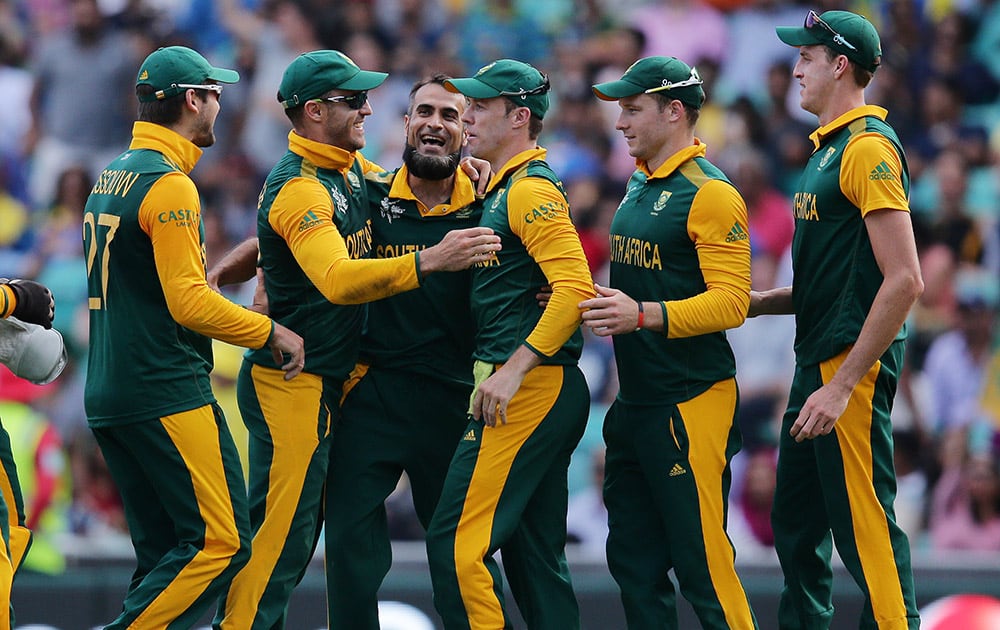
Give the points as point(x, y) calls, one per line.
point(956, 360)
point(80, 107)
point(965, 508)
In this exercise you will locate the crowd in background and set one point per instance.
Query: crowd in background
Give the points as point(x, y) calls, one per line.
point(67, 71)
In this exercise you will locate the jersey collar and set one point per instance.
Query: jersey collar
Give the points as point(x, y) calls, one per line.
point(463, 192)
point(845, 119)
point(321, 154)
point(697, 149)
point(514, 163)
point(175, 147)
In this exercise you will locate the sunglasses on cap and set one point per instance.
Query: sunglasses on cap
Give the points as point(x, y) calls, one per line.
point(694, 79)
point(354, 101)
point(813, 20)
point(541, 89)
point(212, 87)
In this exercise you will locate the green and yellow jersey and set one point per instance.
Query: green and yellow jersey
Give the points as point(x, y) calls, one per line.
point(857, 167)
point(315, 238)
point(152, 315)
point(429, 331)
point(526, 207)
point(680, 238)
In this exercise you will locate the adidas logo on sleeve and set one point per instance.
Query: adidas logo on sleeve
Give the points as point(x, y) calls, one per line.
point(882, 172)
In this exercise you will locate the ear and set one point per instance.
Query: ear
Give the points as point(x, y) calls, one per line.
point(520, 117)
point(191, 100)
point(841, 66)
point(312, 110)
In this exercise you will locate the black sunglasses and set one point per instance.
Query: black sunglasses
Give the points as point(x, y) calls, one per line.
point(354, 101)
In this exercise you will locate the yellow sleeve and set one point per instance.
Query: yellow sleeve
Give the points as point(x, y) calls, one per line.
point(718, 226)
point(7, 301)
point(321, 251)
point(171, 216)
point(871, 174)
point(538, 214)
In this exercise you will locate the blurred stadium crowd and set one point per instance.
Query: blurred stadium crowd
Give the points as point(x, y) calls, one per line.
point(67, 70)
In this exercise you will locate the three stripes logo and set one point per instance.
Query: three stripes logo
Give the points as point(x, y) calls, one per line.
point(736, 233)
point(882, 172)
point(677, 470)
point(470, 436)
point(308, 220)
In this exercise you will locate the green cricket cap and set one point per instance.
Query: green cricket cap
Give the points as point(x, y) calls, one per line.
point(656, 75)
point(518, 81)
point(166, 69)
point(846, 33)
point(313, 74)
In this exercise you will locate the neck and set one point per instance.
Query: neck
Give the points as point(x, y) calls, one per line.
point(837, 107)
point(668, 150)
point(431, 192)
point(506, 152)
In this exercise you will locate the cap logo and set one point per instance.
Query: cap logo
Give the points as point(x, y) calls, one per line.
point(143, 75)
point(486, 68)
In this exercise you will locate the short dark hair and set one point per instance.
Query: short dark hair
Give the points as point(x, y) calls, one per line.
point(861, 76)
point(692, 113)
point(437, 79)
point(534, 123)
point(165, 111)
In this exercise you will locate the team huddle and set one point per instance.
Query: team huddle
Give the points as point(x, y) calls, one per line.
point(397, 327)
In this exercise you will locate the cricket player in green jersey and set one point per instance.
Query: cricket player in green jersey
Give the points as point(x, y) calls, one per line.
point(32, 350)
point(406, 405)
point(506, 486)
point(856, 276)
point(153, 316)
point(314, 236)
point(680, 276)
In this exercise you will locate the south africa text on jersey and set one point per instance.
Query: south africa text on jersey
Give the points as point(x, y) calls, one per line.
point(628, 250)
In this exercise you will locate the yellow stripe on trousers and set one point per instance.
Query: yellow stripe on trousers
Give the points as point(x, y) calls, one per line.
point(196, 437)
point(20, 536)
point(499, 446)
point(290, 409)
point(871, 530)
point(708, 418)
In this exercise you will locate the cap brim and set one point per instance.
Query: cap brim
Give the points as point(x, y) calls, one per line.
point(223, 75)
point(614, 90)
point(797, 36)
point(363, 80)
point(471, 87)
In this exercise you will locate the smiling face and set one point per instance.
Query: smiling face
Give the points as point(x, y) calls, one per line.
point(344, 127)
point(434, 132)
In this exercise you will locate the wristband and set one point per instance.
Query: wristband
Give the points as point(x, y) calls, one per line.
point(641, 318)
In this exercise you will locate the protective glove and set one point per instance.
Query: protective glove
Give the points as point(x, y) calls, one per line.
point(32, 352)
point(35, 303)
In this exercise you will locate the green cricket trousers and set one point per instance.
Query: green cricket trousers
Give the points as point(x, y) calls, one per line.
point(506, 490)
point(840, 487)
point(666, 487)
point(393, 421)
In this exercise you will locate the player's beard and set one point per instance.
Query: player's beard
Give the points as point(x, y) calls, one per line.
point(432, 167)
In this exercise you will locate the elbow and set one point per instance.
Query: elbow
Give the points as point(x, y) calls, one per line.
point(913, 286)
